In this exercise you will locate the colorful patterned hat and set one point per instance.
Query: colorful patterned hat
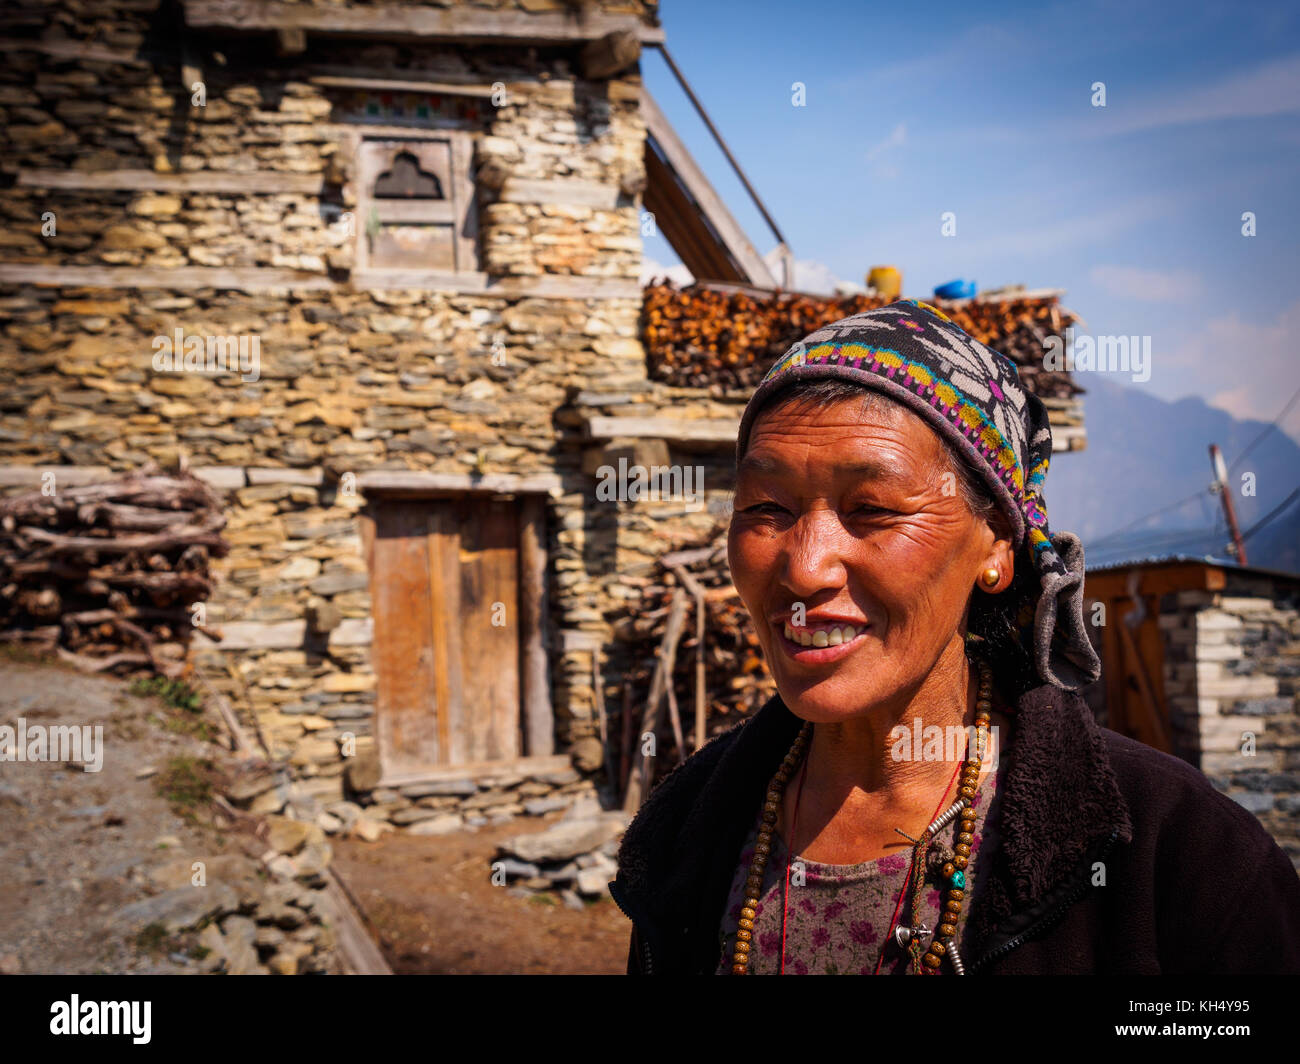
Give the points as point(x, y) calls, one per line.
point(971, 395)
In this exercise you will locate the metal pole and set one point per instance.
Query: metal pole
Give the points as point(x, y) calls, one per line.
point(699, 108)
point(1221, 485)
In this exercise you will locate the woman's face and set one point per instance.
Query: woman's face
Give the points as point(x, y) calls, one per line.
point(845, 510)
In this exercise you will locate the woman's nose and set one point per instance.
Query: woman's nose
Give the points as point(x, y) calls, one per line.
point(812, 558)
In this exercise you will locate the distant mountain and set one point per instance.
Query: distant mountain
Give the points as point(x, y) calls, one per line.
point(1145, 454)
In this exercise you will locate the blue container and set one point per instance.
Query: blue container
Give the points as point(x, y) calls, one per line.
point(955, 290)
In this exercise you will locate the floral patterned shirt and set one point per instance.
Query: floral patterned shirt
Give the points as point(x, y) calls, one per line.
point(840, 918)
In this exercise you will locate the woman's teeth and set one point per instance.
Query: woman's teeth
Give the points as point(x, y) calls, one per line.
point(821, 637)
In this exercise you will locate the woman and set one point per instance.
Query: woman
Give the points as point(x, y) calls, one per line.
point(928, 793)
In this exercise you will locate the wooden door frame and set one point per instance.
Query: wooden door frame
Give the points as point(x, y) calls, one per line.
point(537, 714)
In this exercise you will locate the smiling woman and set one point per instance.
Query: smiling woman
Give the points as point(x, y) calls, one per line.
point(890, 541)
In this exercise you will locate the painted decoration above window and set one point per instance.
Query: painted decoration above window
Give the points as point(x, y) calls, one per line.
point(401, 108)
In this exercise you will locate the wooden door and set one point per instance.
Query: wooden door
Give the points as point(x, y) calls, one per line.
point(445, 587)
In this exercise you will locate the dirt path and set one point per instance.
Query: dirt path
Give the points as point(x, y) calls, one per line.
point(432, 903)
point(78, 846)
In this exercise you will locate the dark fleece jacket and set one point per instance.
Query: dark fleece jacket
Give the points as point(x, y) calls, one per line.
point(1114, 858)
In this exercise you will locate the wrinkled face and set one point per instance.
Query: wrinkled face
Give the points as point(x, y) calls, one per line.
point(846, 510)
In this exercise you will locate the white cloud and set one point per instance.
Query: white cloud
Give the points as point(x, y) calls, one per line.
point(1272, 88)
point(1248, 367)
point(879, 153)
point(1149, 286)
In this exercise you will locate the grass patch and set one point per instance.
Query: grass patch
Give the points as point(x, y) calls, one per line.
point(184, 705)
point(187, 783)
point(152, 939)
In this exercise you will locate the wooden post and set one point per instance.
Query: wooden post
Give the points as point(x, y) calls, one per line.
point(639, 782)
point(538, 716)
point(598, 684)
point(701, 699)
point(625, 741)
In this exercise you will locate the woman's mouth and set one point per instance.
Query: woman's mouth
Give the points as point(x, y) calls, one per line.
point(817, 644)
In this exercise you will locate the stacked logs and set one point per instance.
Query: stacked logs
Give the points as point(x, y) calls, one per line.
point(105, 574)
point(726, 338)
point(669, 678)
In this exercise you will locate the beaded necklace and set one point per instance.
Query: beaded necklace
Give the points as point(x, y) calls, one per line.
point(951, 863)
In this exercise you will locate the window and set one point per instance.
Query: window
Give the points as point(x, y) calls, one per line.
point(417, 208)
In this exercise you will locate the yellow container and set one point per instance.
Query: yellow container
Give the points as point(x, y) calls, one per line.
point(887, 281)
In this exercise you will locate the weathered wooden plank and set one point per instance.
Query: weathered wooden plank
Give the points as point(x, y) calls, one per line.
point(572, 192)
point(95, 53)
point(490, 625)
point(409, 702)
point(245, 278)
point(442, 546)
point(262, 182)
point(443, 88)
point(260, 279)
point(538, 713)
point(461, 24)
point(710, 203)
point(703, 430)
point(417, 481)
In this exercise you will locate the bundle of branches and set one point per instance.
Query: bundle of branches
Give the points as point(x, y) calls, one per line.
point(105, 573)
point(704, 691)
point(724, 338)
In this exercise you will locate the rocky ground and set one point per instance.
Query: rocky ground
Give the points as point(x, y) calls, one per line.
point(127, 869)
point(135, 868)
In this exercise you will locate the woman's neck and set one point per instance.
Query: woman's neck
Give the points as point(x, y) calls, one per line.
point(868, 775)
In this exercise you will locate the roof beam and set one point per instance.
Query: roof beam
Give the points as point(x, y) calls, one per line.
point(694, 219)
point(460, 24)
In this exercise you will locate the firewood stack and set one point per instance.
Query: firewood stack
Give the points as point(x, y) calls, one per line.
point(736, 681)
point(105, 574)
point(703, 337)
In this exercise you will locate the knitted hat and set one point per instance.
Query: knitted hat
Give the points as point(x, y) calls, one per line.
point(971, 395)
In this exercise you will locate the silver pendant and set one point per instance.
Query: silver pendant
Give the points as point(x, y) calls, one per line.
point(903, 934)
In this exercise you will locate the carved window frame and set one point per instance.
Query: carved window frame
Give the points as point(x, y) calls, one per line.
point(375, 151)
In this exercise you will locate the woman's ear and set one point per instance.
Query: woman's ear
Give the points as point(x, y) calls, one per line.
point(1001, 557)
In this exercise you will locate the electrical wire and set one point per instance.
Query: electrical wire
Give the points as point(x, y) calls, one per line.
point(1278, 509)
point(1272, 425)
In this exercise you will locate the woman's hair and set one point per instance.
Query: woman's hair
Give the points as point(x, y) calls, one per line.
point(997, 625)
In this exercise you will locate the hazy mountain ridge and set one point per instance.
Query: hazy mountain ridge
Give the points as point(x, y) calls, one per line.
point(1145, 453)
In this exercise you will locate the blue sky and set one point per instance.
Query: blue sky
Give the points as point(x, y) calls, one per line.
point(1135, 208)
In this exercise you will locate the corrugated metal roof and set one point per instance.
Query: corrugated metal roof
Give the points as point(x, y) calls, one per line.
point(1201, 559)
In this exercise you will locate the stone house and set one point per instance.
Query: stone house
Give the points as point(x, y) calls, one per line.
point(1202, 660)
point(372, 271)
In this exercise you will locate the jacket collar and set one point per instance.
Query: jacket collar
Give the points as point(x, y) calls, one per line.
point(1058, 799)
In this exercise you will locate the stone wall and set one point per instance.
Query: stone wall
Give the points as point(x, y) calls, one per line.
point(100, 132)
point(1232, 677)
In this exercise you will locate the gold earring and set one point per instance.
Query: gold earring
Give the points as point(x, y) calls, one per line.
point(991, 577)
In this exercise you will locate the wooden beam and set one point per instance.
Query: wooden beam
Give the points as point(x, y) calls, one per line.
point(247, 278)
point(729, 233)
point(399, 481)
point(535, 693)
point(611, 54)
point(463, 25)
point(561, 190)
point(257, 279)
point(290, 40)
point(263, 182)
point(94, 53)
point(443, 88)
point(704, 430)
